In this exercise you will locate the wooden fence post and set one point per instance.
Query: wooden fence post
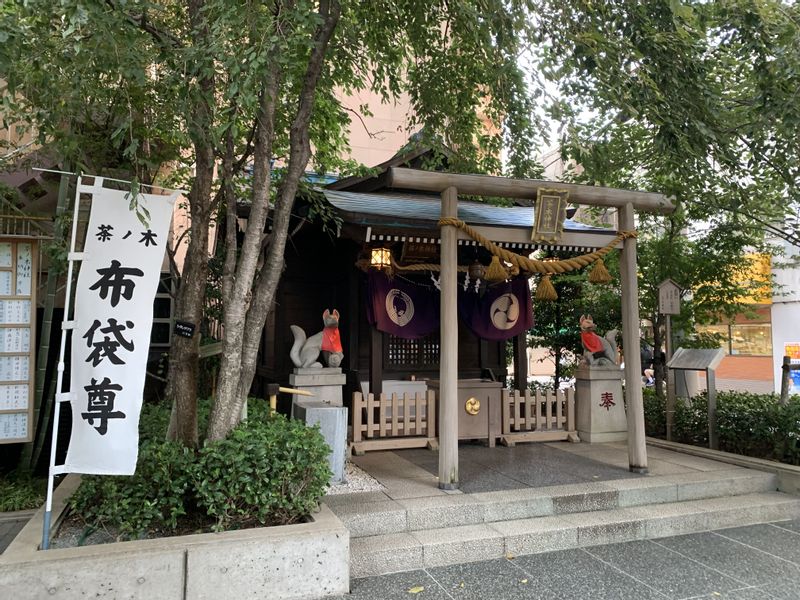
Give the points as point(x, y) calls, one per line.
point(786, 378)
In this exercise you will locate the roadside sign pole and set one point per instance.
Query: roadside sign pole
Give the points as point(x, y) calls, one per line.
point(669, 303)
point(670, 380)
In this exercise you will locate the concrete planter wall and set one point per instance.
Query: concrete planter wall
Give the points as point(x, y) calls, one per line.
point(308, 560)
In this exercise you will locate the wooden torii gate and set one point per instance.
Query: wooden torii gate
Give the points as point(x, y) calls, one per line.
point(449, 185)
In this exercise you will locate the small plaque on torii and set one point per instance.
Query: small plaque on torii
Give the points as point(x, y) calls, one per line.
point(551, 211)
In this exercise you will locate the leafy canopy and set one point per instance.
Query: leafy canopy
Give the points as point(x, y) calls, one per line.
point(115, 84)
point(697, 100)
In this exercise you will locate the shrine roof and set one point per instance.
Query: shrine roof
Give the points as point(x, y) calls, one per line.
point(404, 210)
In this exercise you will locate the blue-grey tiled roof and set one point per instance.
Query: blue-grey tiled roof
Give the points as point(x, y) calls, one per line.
point(374, 209)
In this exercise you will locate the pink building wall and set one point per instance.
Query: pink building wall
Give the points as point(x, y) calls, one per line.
point(381, 135)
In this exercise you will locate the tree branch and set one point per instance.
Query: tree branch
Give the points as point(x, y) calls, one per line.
point(363, 123)
point(163, 38)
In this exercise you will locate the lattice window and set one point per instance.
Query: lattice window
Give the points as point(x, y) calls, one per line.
point(413, 354)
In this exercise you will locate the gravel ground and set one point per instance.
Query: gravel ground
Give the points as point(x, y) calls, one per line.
point(72, 533)
point(356, 480)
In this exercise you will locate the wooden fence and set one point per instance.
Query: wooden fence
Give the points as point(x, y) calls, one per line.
point(538, 417)
point(389, 423)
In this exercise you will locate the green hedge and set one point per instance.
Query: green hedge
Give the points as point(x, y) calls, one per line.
point(269, 471)
point(749, 424)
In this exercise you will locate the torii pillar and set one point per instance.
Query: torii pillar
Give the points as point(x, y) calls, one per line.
point(637, 451)
point(448, 347)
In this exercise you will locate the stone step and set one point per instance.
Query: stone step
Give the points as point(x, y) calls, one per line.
point(376, 514)
point(396, 552)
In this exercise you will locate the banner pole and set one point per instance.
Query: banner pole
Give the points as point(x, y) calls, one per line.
point(65, 326)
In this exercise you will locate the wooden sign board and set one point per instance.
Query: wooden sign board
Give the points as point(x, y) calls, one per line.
point(18, 271)
point(669, 298)
point(696, 359)
point(551, 210)
point(424, 251)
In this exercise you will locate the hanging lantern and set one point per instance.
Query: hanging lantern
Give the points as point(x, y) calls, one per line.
point(476, 270)
point(380, 258)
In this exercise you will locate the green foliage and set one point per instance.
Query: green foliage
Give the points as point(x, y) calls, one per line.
point(704, 339)
point(557, 323)
point(654, 413)
point(153, 421)
point(131, 98)
point(696, 100)
point(691, 421)
point(273, 471)
point(749, 424)
point(21, 492)
point(9, 195)
point(155, 497)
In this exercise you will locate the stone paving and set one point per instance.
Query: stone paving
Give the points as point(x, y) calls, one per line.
point(10, 525)
point(409, 478)
point(757, 562)
point(484, 469)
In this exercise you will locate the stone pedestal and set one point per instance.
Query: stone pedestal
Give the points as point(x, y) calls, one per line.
point(324, 382)
point(332, 422)
point(599, 404)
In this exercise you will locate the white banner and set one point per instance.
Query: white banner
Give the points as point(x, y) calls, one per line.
point(114, 295)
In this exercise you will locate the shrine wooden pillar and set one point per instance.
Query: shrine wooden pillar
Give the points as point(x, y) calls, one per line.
point(375, 361)
point(520, 344)
point(637, 450)
point(448, 345)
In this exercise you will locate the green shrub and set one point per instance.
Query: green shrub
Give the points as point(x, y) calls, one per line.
point(269, 469)
point(153, 421)
point(749, 424)
point(691, 421)
point(655, 420)
point(153, 498)
point(21, 492)
point(788, 447)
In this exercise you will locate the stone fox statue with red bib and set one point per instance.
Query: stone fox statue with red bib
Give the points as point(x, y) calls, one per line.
point(598, 351)
point(306, 351)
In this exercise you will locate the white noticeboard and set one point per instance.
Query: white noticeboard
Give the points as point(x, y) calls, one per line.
point(117, 282)
point(18, 270)
point(669, 298)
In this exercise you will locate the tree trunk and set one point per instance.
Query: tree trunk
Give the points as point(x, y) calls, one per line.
point(184, 352)
point(265, 289)
point(254, 291)
point(239, 294)
point(557, 376)
point(266, 284)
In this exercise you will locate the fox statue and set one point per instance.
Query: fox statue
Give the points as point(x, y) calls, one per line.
point(306, 351)
point(597, 351)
